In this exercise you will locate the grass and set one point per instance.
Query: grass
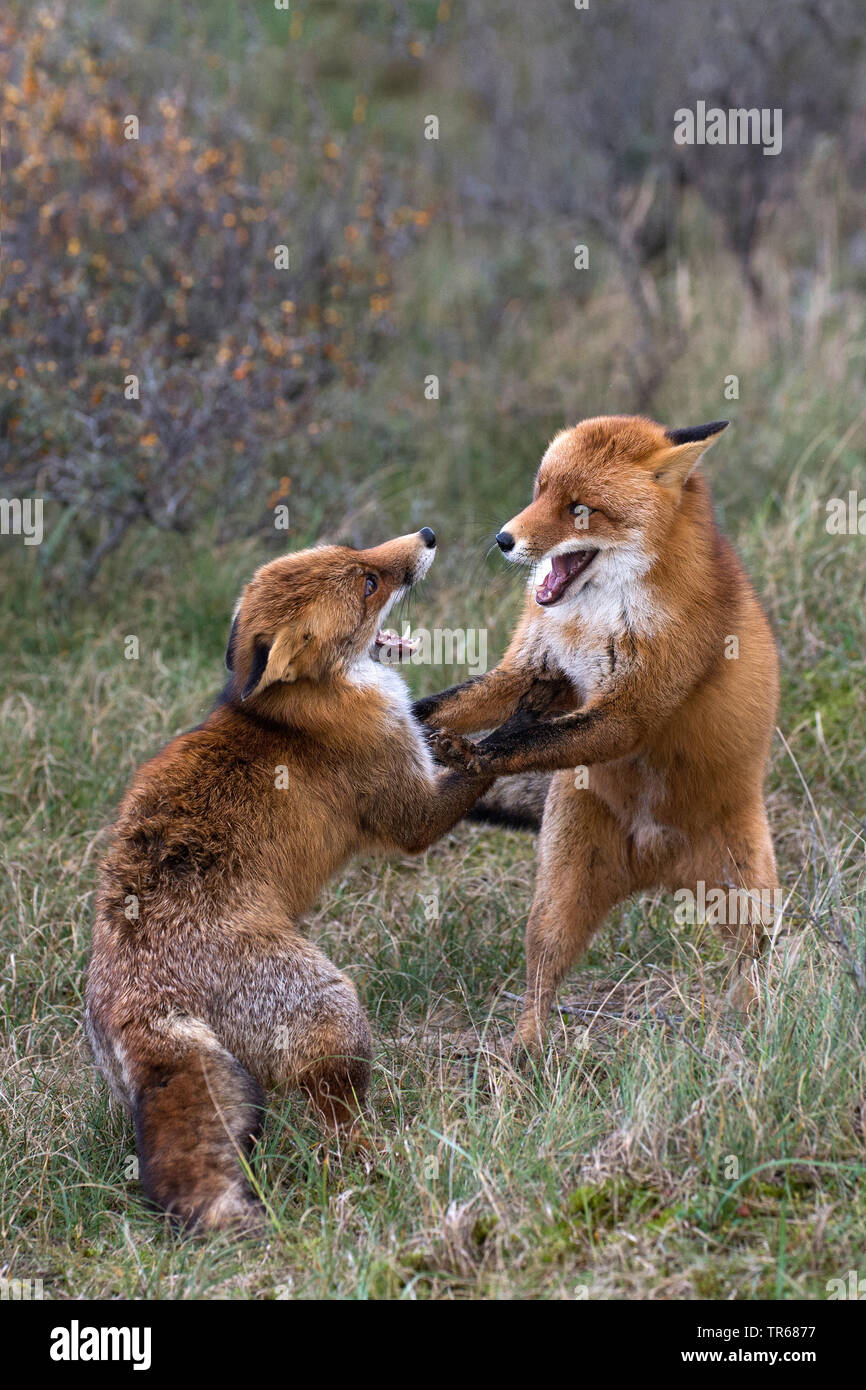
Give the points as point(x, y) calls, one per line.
point(660, 1151)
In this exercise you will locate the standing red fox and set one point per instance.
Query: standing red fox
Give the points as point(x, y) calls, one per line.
point(641, 610)
point(202, 988)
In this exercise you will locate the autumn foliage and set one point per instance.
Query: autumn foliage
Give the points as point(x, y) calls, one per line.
point(155, 258)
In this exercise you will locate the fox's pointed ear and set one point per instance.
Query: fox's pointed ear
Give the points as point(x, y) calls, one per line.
point(233, 641)
point(283, 659)
point(672, 466)
point(698, 433)
point(261, 652)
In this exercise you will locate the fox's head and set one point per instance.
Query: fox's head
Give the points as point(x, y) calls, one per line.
point(310, 615)
point(606, 496)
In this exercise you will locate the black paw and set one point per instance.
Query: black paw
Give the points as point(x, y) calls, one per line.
point(455, 751)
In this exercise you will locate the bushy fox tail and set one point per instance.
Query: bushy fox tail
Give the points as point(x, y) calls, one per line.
point(516, 802)
point(197, 1113)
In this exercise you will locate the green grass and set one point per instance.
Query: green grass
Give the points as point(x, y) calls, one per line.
point(610, 1171)
point(661, 1151)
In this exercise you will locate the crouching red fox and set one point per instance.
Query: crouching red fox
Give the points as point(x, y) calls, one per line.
point(642, 626)
point(203, 990)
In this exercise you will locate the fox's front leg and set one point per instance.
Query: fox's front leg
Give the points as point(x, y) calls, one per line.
point(484, 702)
point(410, 811)
point(596, 734)
point(479, 703)
point(413, 811)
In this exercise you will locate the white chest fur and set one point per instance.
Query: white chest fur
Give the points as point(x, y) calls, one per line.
point(590, 634)
point(370, 674)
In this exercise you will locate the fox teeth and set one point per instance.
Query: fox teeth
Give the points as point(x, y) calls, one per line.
point(388, 638)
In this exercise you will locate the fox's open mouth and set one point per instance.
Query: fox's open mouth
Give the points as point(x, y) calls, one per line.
point(392, 646)
point(563, 570)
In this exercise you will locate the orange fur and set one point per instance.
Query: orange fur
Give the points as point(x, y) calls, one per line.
point(635, 654)
point(203, 989)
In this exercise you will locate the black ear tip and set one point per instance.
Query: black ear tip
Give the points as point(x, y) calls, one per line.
point(230, 649)
point(261, 652)
point(697, 432)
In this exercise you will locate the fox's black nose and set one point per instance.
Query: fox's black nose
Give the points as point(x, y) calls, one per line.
point(428, 537)
point(505, 540)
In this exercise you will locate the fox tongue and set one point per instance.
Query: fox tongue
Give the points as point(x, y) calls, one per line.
point(563, 569)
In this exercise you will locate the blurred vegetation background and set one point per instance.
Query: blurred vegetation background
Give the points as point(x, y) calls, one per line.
point(411, 258)
point(408, 257)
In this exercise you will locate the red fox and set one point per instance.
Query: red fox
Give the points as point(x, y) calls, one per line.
point(202, 988)
point(662, 672)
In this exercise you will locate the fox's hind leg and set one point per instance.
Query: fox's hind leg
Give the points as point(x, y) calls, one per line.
point(197, 1112)
point(583, 871)
point(738, 859)
point(322, 1044)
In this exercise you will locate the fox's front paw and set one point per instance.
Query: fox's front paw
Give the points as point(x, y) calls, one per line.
point(455, 751)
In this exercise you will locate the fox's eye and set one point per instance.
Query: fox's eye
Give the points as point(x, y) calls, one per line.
point(371, 584)
point(581, 509)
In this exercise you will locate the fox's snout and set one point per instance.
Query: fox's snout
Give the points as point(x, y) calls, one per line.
point(526, 534)
point(404, 560)
point(427, 537)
